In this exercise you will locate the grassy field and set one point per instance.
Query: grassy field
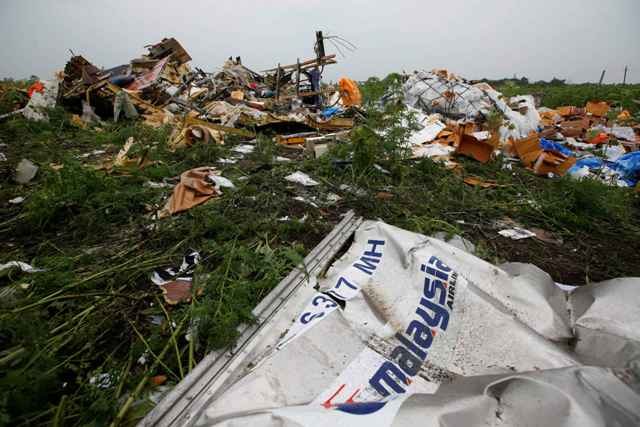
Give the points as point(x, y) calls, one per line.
point(94, 310)
point(552, 96)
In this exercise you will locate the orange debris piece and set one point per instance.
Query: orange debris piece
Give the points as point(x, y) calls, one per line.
point(349, 92)
point(528, 149)
point(470, 146)
point(553, 162)
point(598, 109)
point(194, 189)
point(159, 379)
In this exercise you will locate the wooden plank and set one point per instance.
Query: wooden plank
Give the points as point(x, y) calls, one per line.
point(336, 123)
point(298, 78)
point(324, 59)
point(227, 129)
point(278, 76)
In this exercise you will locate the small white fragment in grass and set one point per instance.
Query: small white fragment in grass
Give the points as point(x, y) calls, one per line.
point(244, 149)
point(227, 161)
point(301, 178)
point(516, 233)
point(221, 181)
point(16, 201)
point(101, 380)
point(22, 266)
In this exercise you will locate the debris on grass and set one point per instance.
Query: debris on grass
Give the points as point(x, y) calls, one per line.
point(17, 200)
point(25, 171)
point(301, 178)
point(23, 266)
point(85, 221)
point(196, 186)
point(350, 314)
point(516, 233)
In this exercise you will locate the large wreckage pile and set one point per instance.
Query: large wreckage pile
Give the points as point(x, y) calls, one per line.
point(474, 120)
point(161, 88)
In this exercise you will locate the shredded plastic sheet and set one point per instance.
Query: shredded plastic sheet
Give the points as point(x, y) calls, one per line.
point(406, 330)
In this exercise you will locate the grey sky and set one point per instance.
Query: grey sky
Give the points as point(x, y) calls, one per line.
point(573, 39)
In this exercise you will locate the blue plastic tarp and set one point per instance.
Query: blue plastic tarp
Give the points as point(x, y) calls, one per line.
point(330, 112)
point(554, 146)
point(628, 166)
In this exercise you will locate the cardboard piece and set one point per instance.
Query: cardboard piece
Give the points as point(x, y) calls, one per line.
point(598, 109)
point(528, 149)
point(193, 189)
point(470, 146)
point(553, 162)
point(567, 111)
point(479, 182)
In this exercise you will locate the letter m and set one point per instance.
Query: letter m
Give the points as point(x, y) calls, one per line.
point(368, 264)
point(383, 376)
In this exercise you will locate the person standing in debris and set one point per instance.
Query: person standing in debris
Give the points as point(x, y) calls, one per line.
point(315, 77)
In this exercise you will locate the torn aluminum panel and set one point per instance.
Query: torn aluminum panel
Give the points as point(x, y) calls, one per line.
point(408, 330)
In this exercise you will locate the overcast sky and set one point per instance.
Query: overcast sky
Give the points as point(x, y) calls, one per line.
point(540, 39)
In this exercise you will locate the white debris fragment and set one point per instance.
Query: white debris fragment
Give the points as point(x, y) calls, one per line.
point(432, 151)
point(516, 233)
point(357, 191)
point(431, 127)
point(333, 198)
point(152, 184)
point(221, 181)
point(613, 152)
point(301, 178)
point(26, 268)
point(482, 135)
point(37, 107)
point(101, 380)
point(624, 132)
point(580, 145)
point(303, 200)
point(227, 161)
point(93, 153)
point(566, 288)
point(16, 200)
point(25, 171)
point(142, 360)
point(381, 169)
point(244, 149)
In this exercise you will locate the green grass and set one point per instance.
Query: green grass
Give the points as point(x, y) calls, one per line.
point(553, 96)
point(91, 312)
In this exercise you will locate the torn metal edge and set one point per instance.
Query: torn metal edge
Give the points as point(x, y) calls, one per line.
point(179, 407)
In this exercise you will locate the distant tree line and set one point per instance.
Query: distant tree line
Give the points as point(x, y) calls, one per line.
point(523, 81)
